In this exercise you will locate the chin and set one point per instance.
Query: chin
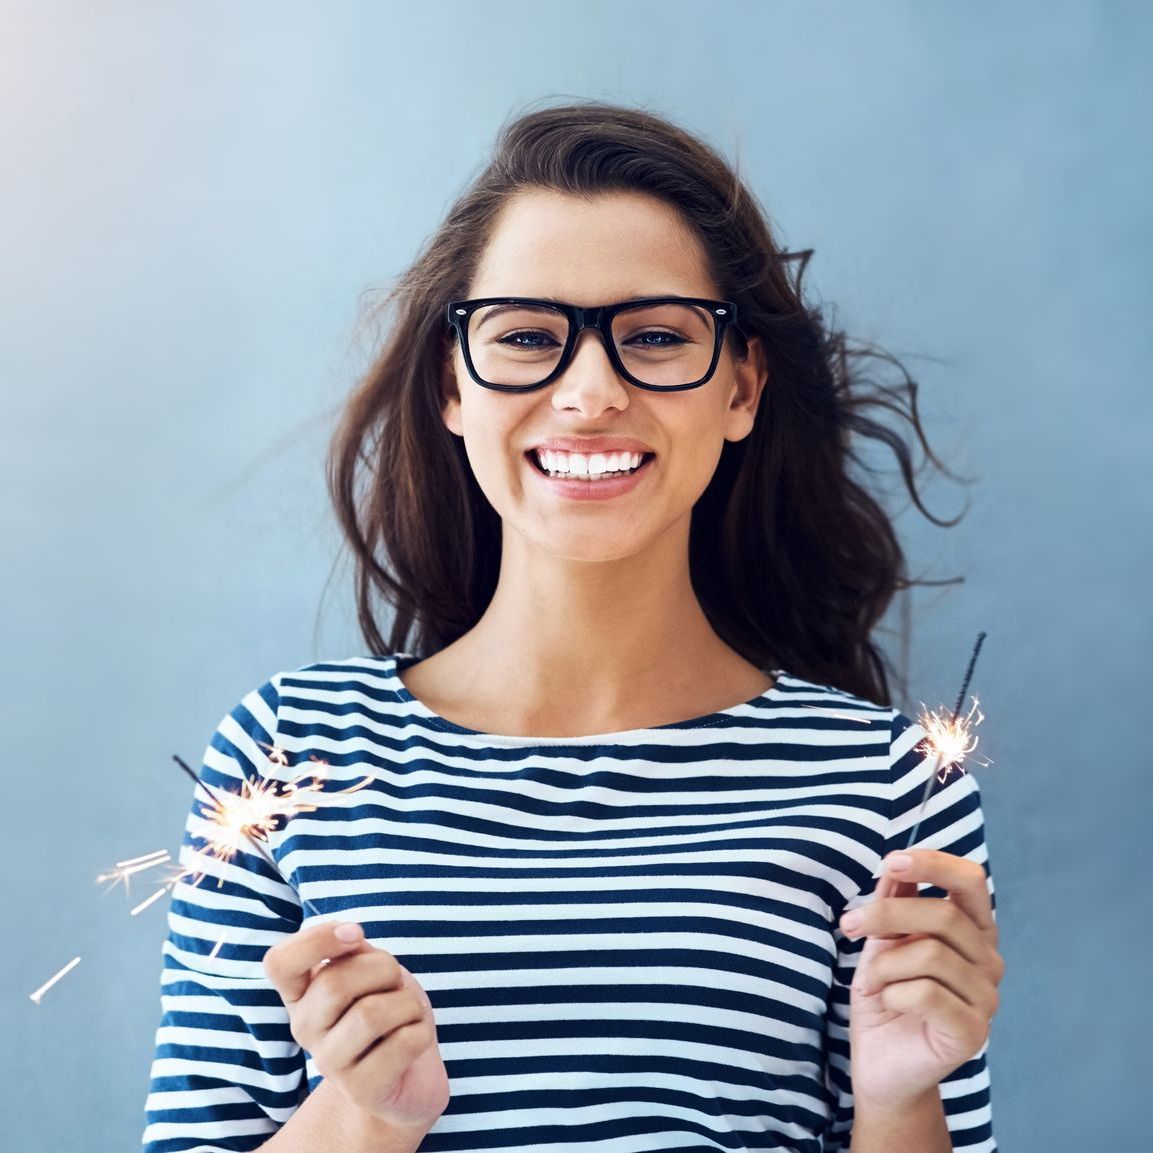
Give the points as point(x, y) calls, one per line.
point(588, 546)
point(589, 552)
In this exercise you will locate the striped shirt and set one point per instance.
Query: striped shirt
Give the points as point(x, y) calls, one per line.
point(629, 939)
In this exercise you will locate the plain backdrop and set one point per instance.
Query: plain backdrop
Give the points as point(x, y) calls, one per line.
point(197, 203)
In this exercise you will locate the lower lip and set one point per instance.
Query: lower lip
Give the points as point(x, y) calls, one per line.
point(603, 489)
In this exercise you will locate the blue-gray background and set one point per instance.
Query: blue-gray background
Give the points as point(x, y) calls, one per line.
point(194, 199)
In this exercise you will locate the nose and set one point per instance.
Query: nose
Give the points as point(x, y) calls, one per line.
point(590, 384)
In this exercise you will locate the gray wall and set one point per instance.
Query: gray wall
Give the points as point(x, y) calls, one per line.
point(194, 198)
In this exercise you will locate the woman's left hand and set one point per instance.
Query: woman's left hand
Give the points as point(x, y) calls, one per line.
point(925, 989)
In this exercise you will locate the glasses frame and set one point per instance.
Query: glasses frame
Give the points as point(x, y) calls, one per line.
point(600, 317)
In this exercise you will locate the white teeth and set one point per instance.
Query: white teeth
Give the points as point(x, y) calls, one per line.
point(592, 465)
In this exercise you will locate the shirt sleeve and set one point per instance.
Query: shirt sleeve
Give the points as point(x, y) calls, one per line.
point(952, 822)
point(226, 1072)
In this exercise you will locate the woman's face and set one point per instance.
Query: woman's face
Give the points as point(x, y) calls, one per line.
point(612, 248)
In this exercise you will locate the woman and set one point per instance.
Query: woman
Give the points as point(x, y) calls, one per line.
point(632, 772)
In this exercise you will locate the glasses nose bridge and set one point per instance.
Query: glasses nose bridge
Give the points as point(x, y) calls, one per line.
point(591, 318)
point(598, 318)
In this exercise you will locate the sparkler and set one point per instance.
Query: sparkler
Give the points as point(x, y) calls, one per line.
point(258, 809)
point(250, 815)
point(950, 739)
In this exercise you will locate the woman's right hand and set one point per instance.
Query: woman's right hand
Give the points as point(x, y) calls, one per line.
point(365, 1020)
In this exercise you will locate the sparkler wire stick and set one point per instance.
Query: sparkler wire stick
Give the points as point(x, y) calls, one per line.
point(956, 716)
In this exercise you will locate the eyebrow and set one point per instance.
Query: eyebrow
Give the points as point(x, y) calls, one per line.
point(495, 310)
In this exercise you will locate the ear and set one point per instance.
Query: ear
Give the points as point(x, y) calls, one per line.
point(450, 398)
point(751, 373)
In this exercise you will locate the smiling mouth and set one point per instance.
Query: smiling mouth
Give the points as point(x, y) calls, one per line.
point(590, 469)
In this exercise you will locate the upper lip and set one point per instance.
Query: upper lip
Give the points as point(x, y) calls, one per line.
point(591, 444)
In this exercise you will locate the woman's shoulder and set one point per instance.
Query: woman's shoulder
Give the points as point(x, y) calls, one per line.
point(367, 668)
point(791, 690)
point(371, 678)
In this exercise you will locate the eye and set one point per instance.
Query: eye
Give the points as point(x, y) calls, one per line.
point(527, 339)
point(657, 339)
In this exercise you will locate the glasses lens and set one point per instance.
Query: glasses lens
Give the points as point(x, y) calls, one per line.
point(665, 344)
point(516, 344)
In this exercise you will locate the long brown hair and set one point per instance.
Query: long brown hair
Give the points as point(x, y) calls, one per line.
point(793, 559)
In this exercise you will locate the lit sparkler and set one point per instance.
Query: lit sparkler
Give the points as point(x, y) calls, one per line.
point(949, 737)
point(251, 815)
point(259, 809)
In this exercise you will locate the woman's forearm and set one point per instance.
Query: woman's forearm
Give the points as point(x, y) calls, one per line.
point(918, 1127)
point(327, 1122)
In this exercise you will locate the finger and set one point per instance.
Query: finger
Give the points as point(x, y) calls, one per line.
point(929, 917)
point(887, 886)
point(965, 1028)
point(964, 880)
point(335, 987)
point(369, 1022)
point(376, 1076)
point(290, 963)
point(409, 981)
point(890, 885)
point(926, 957)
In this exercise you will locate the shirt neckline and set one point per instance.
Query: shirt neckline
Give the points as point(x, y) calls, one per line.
point(395, 663)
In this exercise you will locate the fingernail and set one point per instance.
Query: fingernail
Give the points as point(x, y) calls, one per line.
point(853, 920)
point(898, 862)
point(348, 933)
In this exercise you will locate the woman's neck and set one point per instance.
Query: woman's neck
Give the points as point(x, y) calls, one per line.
point(569, 647)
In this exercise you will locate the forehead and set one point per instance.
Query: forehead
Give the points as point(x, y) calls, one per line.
point(591, 251)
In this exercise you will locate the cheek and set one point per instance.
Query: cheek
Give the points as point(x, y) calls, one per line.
point(489, 429)
point(701, 436)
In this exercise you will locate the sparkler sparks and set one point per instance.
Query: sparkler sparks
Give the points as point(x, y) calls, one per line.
point(254, 812)
point(53, 979)
point(148, 901)
point(276, 754)
point(949, 737)
point(123, 871)
point(258, 809)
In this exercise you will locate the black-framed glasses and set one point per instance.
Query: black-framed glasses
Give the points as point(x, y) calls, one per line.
point(663, 343)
